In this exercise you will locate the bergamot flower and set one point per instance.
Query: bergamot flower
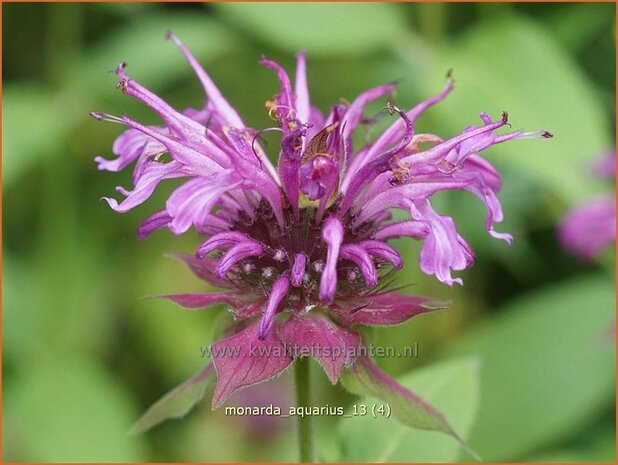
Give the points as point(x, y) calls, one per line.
point(300, 249)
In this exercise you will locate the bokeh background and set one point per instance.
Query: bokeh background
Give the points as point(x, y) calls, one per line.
point(522, 362)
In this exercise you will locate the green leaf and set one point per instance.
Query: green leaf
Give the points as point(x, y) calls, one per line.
point(21, 329)
point(152, 59)
point(172, 336)
point(365, 378)
point(548, 367)
point(176, 403)
point(515, 65)
point(323, 29)
point(28, 108)
point(452, 386)
point(68, 410)
point(599, 446)
point(577, 25)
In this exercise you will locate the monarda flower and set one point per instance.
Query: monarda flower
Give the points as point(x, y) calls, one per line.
point(300, 249)
point(590, 227)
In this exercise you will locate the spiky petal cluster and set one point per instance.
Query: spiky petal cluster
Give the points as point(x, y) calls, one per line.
point(590, 227)
point(301, 248)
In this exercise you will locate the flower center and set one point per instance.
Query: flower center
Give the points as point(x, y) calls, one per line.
point(300, 236)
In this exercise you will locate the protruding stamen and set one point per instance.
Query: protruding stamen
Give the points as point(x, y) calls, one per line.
point(449, 77)
point(504, 117)
point(540, 134)
point(257, 136)
point(107, 117)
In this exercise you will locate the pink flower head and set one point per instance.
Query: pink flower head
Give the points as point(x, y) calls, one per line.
point(301, 248)
point(590, 227)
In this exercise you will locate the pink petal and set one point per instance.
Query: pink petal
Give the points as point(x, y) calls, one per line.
point(414, 229)
point(249, 248)
point(190, 204)
point(443, 249)
point(219, 241)
point(152, 174)
point(155, 221)
point(332, 233)
point(298, 269)
point(383, 251)
point(301, 89)
point(277, 293)
point(354, 114)
point(360, 256)
point(391, 135)
point(590, 227)
point(214, 94)
point(285, 96)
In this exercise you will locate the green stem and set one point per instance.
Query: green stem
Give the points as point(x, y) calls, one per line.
point(303, 395)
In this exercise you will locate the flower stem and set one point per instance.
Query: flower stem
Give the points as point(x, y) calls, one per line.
point(304, 422)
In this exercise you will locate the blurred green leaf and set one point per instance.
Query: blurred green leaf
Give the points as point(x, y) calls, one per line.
point(153, 60)
point(451, 386)
point(27, 110)
point(74, 273)
point(68, 410)
point(548, 367)
point(124, 9)
point(365, 378)
point(178, 402)
point(577, 24)
point(323, 29)
point(52, 114)
point(172, 336)
point(21, 329)
point(513, 64)
point(602, 448)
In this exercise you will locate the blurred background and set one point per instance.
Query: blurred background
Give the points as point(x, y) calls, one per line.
point(522, 363)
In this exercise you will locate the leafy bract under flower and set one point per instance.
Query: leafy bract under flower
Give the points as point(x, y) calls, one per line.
point(301, 246)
